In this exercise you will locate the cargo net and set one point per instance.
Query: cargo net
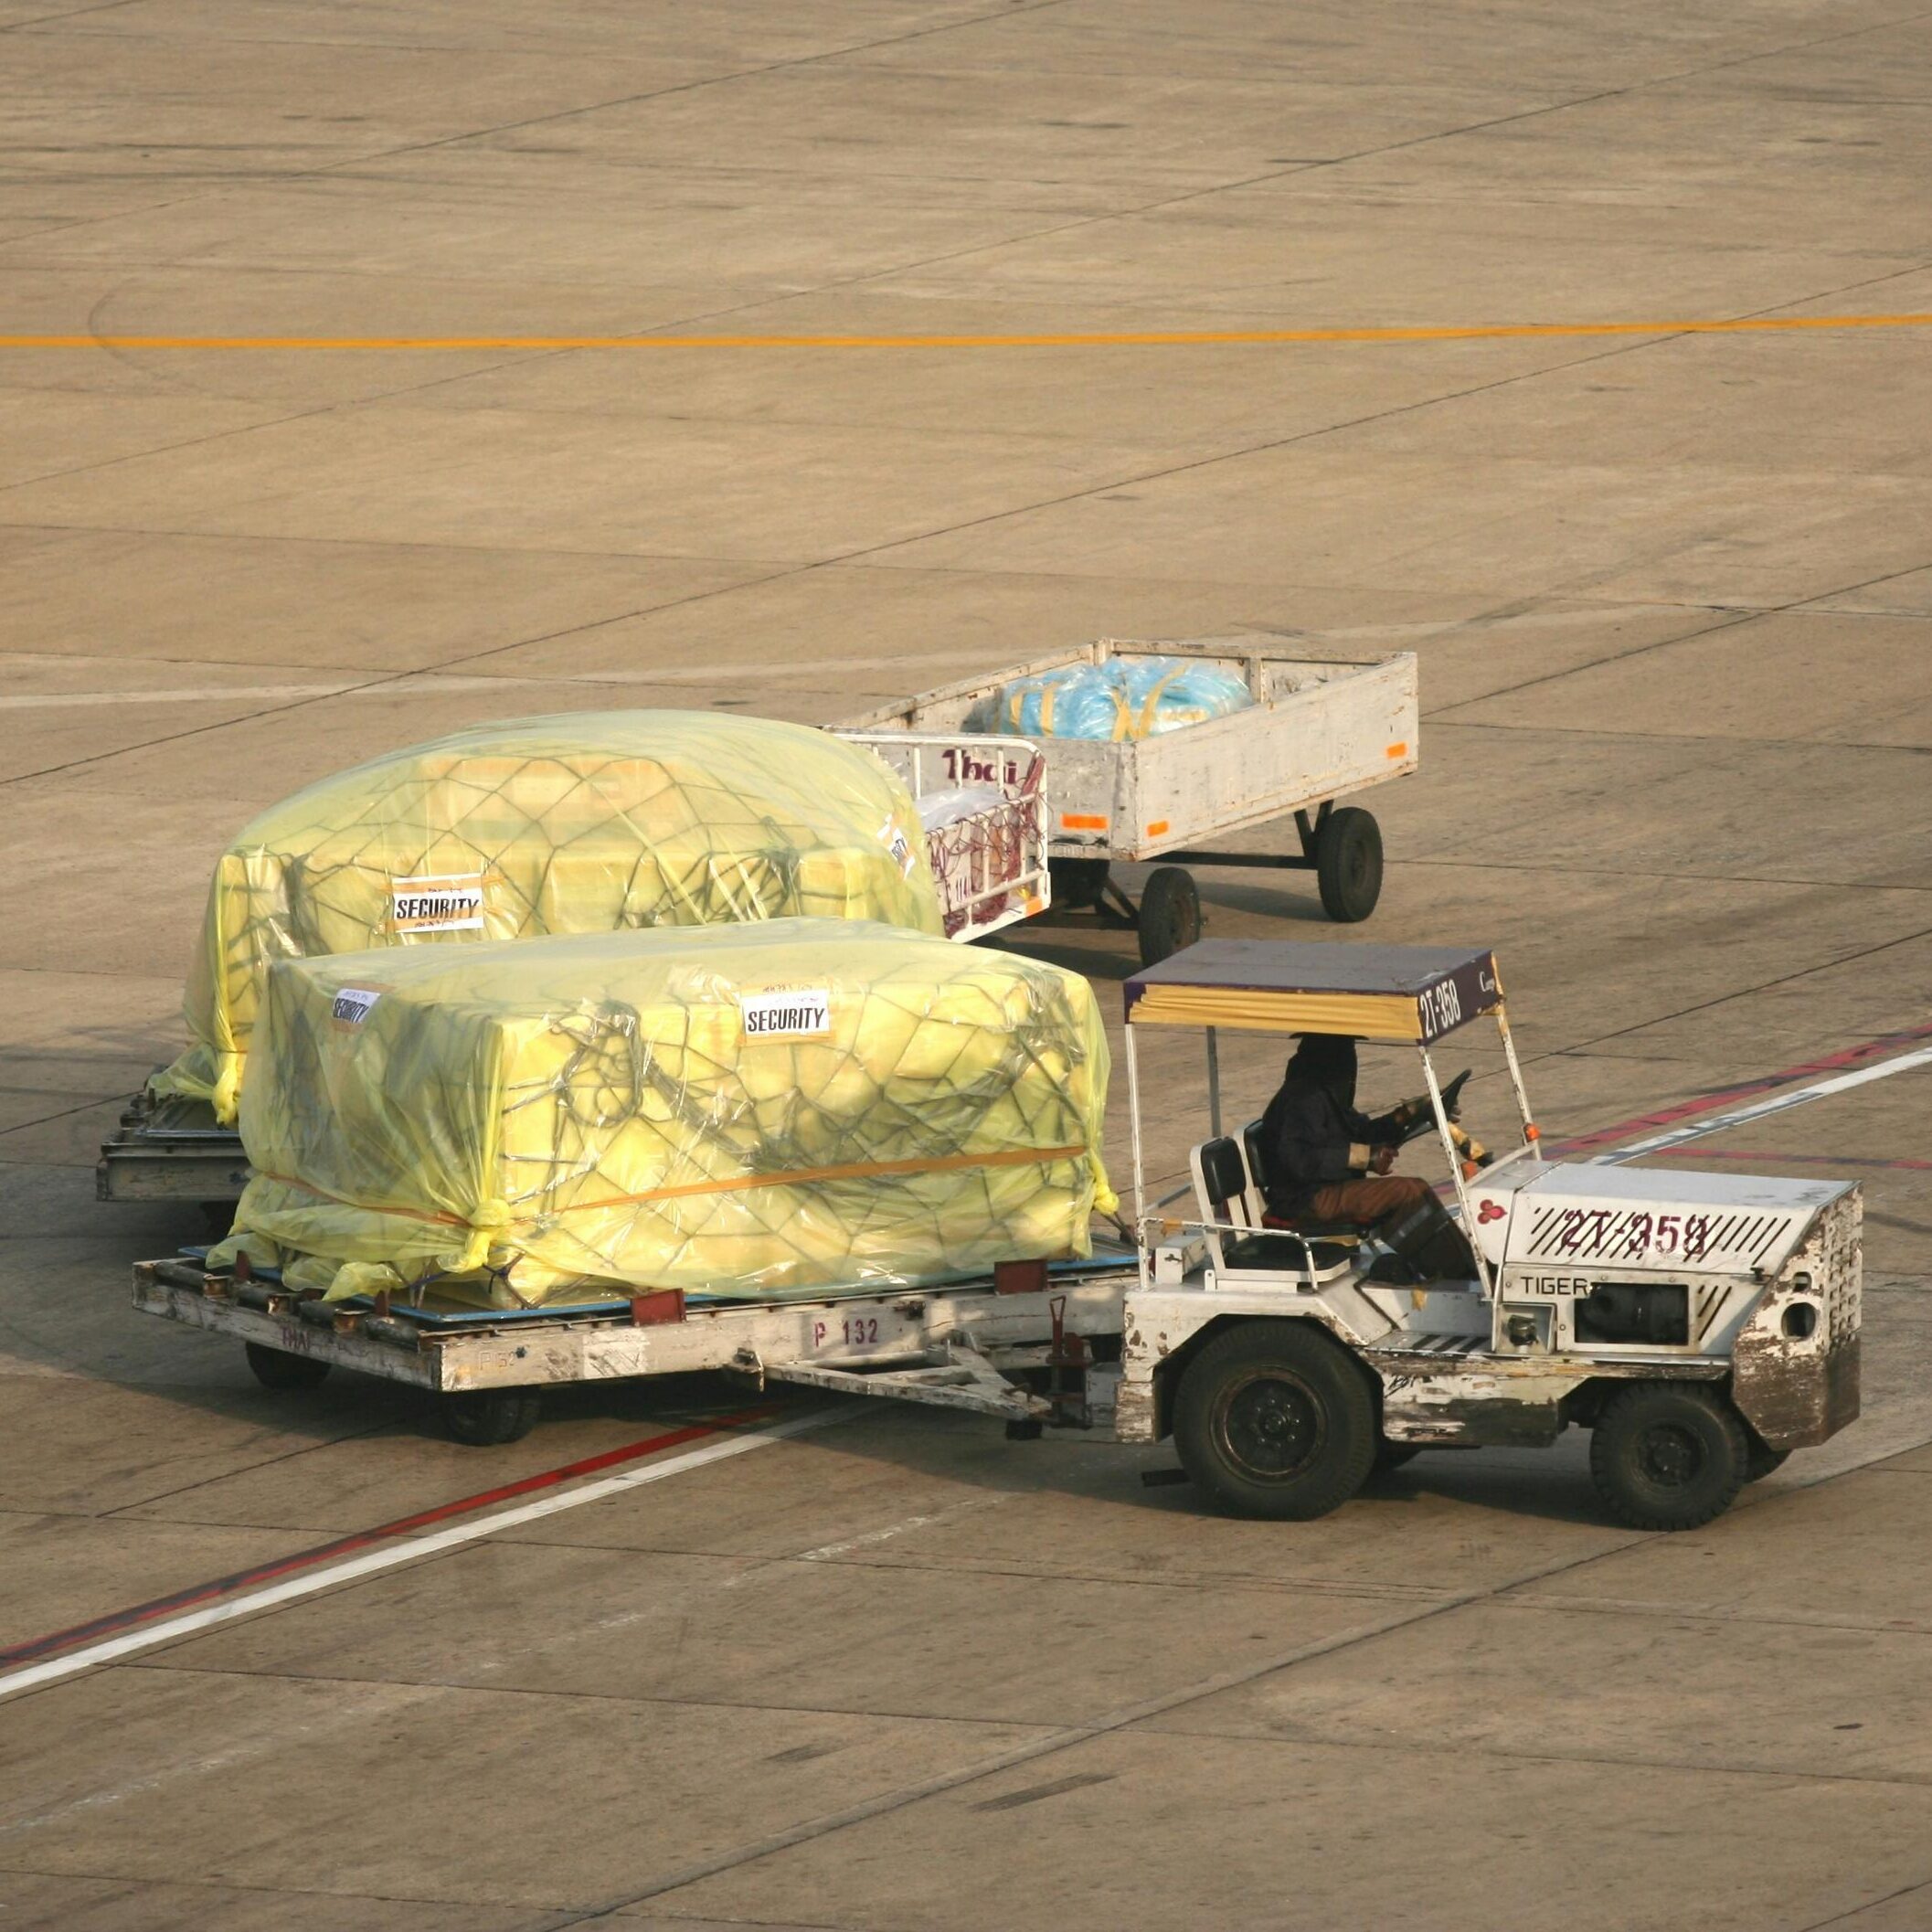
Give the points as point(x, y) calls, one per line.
point(947, 1119)
point(558, 825)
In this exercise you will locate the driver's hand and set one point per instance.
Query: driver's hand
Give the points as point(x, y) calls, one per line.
point(1383, 1160)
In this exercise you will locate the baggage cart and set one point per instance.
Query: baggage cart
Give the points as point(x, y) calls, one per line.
point(1316, 733)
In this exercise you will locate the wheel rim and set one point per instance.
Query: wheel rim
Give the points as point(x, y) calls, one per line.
point(1271, 1425)
point(1670, 1456)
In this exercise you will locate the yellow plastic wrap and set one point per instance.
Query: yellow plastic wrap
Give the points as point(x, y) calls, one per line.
point(589, 821)
point(763, 1110)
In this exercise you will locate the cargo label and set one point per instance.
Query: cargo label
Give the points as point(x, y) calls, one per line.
point(443, 902)
point(352, 1004)
point(791, 1013)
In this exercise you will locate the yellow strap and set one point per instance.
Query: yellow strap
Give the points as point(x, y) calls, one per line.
point(1048, 693)
point(1146, 721)
point(730, 1183)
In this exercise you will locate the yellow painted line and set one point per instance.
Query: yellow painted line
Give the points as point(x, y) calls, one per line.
point(1150, 338)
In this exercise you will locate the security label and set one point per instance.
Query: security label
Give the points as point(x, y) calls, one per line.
point(443, 902)
point(352, 1004)
point(899, 846)
point(792, 1013)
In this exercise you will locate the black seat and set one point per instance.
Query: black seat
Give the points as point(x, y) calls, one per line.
point(1256, 1142)
point(1222, 1177)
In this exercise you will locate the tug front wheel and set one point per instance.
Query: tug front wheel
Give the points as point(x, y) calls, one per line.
point(1668, 1456)
point(1274, 1420)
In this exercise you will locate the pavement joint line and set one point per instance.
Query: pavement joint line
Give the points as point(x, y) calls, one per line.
point(387, 1555)
point(1724, 999)
point(1870, 1904)
point(1665, 737)
point(1097, 338)
point(121, 1511)
point(471, 1688)
point(1466, 1746)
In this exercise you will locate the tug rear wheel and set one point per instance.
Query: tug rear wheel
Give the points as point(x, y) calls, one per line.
point(1348, 864)
point(484, 1417)
point(276, 1368)
point(1274, 1420)
point(1668, 1456)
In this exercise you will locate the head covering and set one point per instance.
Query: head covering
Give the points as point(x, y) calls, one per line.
point(1326, 1060)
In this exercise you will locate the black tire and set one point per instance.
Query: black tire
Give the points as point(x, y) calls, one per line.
point(1274, 1420)
point(1763, 1462)
point(1668, 1455)
point(1348, 864)
point(486, 1417)
point(1170, 913)
point(1393, 1455)
point(1076, 882)
point(276, 1368)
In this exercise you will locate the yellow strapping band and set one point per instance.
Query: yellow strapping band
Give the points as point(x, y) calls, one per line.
point(729, 1184)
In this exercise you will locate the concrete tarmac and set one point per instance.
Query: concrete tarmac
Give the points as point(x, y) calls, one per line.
point(1670, 595)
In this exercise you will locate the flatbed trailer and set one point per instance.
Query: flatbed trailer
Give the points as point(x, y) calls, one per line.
point(1055, 1326)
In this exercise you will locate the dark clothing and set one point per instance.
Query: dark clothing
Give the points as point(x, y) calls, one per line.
point(1313, 1121)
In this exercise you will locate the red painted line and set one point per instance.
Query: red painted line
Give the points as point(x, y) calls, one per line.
point(1839, 1062)
point(140, 1613)
point(1727, 1153)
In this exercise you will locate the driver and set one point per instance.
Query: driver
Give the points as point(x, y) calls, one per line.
point(1326, 1160)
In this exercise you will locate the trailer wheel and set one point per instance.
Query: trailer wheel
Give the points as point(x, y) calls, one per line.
point(484, 1417)
point(276, 1368)
point(1348, 864)
point(1668, 1456)
point(1272, 1419)
point(1170, 913)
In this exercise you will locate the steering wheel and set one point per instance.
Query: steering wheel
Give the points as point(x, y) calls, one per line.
point(1451, 1105)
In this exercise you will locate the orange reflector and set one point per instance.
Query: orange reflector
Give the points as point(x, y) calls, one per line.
point(1083, 822)
point(1157, 828)
point(1398, 749)
point(1533, 1133)
point(1469, 1170)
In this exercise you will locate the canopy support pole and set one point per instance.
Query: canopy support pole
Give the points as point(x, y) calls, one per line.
point(1529, 1134)
point(1213, 1085)
point(1133, 1121)
point(1455, 1162)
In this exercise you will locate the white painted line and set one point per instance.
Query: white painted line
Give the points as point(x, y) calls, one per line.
point(389, 1556)
point(432, 683)
point(1757, 1109)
